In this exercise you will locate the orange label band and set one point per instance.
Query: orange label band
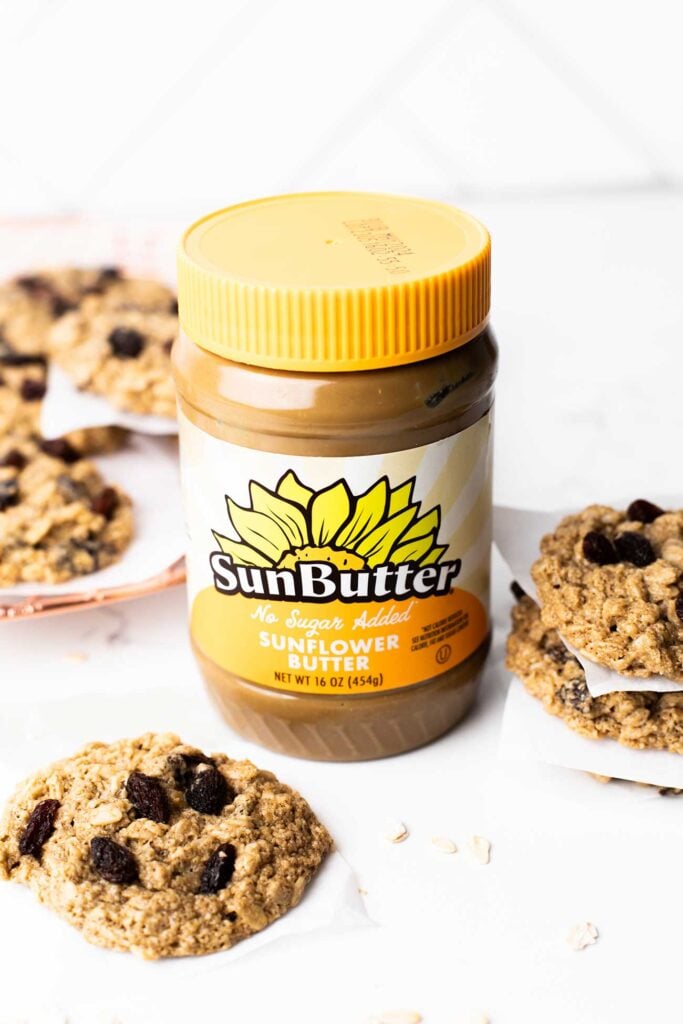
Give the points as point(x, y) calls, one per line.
point(337, 647)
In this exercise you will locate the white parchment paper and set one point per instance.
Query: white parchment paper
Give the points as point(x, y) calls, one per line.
point(517, 534)
point(66, 408)
point(529, 733)
point(147, 469)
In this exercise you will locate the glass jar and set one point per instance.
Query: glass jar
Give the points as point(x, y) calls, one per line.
point(335, 374)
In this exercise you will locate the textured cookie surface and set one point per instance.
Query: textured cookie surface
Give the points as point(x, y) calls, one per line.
point(148, 845)
point(30, 304)
point(58, 518)
point(536, 654)
point(22, 389)
point(118, 345)
point(612, 583)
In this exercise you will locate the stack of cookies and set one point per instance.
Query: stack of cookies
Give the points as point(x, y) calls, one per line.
point(112, 335)
point(610, 583)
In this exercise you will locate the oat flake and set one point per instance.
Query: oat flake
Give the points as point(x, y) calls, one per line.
point(480, 849)
point(582, 935)
point(395, 831)
point(444, 845)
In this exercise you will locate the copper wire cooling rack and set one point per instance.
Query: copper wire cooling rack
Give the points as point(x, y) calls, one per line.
point(40, 605)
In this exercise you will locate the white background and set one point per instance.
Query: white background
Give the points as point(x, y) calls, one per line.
point(559, 125)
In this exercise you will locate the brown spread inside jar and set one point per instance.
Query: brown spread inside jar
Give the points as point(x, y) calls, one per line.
point(335, 375)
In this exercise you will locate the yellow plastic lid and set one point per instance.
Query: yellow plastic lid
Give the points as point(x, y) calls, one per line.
point(334, 281)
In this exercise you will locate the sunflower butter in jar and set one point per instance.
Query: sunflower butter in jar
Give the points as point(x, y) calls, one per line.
point(335, 374)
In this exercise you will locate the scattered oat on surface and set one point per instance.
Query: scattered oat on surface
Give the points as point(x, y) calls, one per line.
point(444, 845)
point(395, 831)
point(480, 849)
point(582, 935)
point(610, 582)
point(183, 882)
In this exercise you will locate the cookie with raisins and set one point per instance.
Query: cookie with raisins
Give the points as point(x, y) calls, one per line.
point(611, 582)
point(151, 846)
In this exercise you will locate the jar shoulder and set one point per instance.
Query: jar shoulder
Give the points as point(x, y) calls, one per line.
point(412, 404)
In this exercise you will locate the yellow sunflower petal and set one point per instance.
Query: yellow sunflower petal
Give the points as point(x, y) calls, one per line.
point(412, 551)
point(286, 514)
point(241, 554)
point(428, 523)
point(258, 531)
point(369, 511)
point(433, 557)
point(329, 511)
point(376, 547)
point(401, 497)
point(291, 488)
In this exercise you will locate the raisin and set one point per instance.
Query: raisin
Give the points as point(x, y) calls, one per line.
point(599, 549)
point(635, 548)
point(105, 503)
point(679, 607)
point(39, 828)
point(517, 592)
point(71, 490)
point(110, 273)
point(60, 448)
point(126, 342)
point(148, 797)
point(8, 357)
point(32, 284)
point(642, 511)
point(559, 653)
point(208, 792)
point(9, 494)
point(32, 390)
point(576, 695)
point(15, 459)
point(91, 546)
point(60, 306)
point(184, 765)
point(112, 861)
point(218, 869)
point(230, 916)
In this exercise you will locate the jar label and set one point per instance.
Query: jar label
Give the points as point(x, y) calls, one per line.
point(338, 575)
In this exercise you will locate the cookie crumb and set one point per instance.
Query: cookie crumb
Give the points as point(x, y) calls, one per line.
point(480, 849)
point(444, 845)
point(395, 831)
point(582, 935)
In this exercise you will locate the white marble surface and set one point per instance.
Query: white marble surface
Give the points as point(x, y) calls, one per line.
point(589, 315)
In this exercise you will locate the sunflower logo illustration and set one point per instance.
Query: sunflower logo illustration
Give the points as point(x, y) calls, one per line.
point(296, 524)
